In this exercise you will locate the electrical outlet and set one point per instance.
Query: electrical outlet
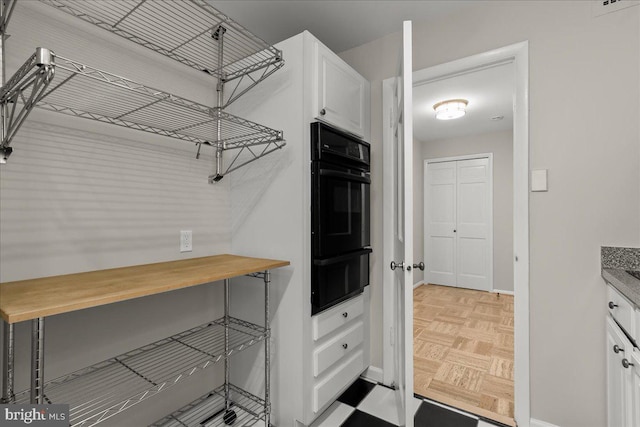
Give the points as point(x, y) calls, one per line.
point(602, 7)
point(186, 241)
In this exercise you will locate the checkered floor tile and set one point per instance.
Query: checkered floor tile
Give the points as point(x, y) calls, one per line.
point(367, 404)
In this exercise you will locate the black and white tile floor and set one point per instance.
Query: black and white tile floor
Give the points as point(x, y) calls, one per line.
point(366, 404)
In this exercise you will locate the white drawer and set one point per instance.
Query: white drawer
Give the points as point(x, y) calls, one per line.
point(621, 310)
point(334, 350)
point(327, 390)
point(337, 316)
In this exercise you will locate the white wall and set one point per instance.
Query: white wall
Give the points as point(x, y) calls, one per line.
point(579, 65)
point(78, 195)
point(501, 145)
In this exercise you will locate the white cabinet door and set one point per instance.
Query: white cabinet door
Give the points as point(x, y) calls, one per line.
point(341, 95)
point(619, 379)
point(635, 394)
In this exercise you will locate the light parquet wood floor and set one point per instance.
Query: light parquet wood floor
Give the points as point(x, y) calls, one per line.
point(463, 349)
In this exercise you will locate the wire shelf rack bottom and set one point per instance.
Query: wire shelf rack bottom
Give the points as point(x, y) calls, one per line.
point(246, 410)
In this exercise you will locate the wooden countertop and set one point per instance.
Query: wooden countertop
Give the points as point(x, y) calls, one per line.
point(30, 299)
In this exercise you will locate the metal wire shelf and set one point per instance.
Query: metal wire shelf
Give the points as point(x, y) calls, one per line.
point(110, 387)
point(79, 90)
point(186, 31)
point(210, 410)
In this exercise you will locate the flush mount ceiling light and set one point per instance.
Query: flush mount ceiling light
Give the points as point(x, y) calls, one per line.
point(451, 109)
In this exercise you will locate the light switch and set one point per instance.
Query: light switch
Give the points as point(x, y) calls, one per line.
point(539, 180)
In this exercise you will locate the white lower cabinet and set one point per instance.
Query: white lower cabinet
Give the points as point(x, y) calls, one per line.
point(327, 390)
point(330, 353)
point(635, 394)
point(620, 379)
point(338, 354)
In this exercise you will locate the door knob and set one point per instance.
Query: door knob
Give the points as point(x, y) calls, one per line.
point(617, 349)
point(626, 364)
point(419, 265)
point(612, 305)
point(323, 112)
point(395, 265)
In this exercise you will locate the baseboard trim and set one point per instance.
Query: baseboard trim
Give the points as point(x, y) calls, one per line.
point(538, 423)
point(374, 374)
point(498, 291)
point(420, 283)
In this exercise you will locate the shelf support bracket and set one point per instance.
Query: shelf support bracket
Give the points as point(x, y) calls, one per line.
point(268, 67)
point(25, 89)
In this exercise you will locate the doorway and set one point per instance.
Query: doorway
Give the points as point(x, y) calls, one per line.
point(463, 332)
point(517, 55)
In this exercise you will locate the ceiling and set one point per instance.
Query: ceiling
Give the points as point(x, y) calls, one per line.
point(344, 24)
point(489, 92)
point(340, 24)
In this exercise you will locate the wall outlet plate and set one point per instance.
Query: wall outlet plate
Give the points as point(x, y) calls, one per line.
point(186, 241)
point(602, 7)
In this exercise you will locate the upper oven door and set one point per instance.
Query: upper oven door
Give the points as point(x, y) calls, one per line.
point(340, 215)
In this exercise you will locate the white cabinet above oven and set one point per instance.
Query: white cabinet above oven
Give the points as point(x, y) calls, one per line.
point(340, 95)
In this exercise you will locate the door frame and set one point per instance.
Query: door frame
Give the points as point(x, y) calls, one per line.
point(489, 157)
point(518, 54)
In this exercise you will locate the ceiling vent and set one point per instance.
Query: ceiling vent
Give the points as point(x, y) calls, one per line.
point(601, 7)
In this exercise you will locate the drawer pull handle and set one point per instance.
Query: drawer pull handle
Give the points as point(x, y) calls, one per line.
point(617, 349)
point(626, 364)
point(612, 305)
point(347, 345)
point(345, 314)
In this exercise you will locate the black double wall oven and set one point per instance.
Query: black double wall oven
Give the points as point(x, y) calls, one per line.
point(340, 216)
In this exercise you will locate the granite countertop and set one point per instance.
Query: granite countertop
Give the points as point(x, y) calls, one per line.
point(615, 262)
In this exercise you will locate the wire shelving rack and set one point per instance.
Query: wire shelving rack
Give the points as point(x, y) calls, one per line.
point(108, 388)
point(191, 32)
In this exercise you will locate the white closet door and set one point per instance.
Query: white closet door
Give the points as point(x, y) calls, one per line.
point(474, 224)
point(458, 227)
point(440, 210)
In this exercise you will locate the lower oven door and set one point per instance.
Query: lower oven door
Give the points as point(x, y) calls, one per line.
point(336, 279)
point(340, 210)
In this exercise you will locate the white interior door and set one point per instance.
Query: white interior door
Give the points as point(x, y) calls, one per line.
point(440, 214)
point(458, 223)
point(474, 225)
point(401, 264)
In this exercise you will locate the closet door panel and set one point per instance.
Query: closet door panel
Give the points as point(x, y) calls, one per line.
point(440, 210)
point(473, 224)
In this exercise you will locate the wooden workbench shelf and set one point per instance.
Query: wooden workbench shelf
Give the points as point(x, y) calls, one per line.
point(105, 389)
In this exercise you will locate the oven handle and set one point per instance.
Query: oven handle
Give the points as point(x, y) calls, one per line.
point(334, 260)
point(344, 175)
